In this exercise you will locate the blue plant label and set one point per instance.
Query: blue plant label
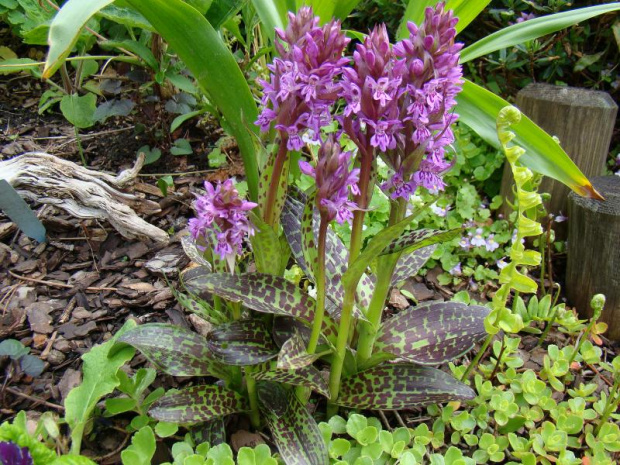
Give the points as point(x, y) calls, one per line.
point(20, 213)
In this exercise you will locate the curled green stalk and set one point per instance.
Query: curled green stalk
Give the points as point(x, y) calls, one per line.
point(511, 277)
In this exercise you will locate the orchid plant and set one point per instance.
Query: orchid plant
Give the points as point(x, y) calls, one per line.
point(386, 104)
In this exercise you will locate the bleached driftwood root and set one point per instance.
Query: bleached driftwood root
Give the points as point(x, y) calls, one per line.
point(82, 193)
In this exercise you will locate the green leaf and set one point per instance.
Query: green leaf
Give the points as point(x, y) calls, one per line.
point(72, 460)
point(65, 30)
point(79, 110)
point(164, 429)
point(294, 431)
point(119, 405)
point(151, 155)
point(417, 239)
point(532, 29)
point(307, 376)
point(142, 448)
point(272, 14)
point(242, 343)
point(400, 386)
point(174, 350)
point(197, 404)
point(465, 10)
point(116, 107)
point(344, 8)
point(13, 348)
point(266, 247)
point(261, 292)
point(125, 16)
point(164, 183)
point(17, 65)
point(196, 43)
point(478, 108)
point(432, 333)
point(223, 10)
point(181, 147)
point(587, 60)
point(99, 379)
point(179, 120)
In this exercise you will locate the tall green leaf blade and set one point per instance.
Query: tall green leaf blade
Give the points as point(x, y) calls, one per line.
point(294, 431)
point(419, 238)
point(465, 10)
point(533, 29)
point(197, 404)
point(400, 386)
point(344, 8)
point(261, 292)
point(175, 350)
point(65, 30)
point(410, 263)
point(242, 343)
point(478, 108)
point(432, 333)
point(266, 247)
point(307, 376)
point(272, 14)
point(99, 378)
point(222, 10)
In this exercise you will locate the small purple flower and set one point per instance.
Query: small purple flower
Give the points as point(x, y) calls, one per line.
point(525, 17)
point(221, 219)
point(501, 264)
point(560, 218)
point(456, 270)
point(465, 243)
point(491, 244)
point(334, 180)
point(439, 211)
point(477, 240)
point(12, 454)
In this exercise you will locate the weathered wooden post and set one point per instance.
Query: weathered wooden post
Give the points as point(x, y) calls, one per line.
point(582, 119)
point(594, 252)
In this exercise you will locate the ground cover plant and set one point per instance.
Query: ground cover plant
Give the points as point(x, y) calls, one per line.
point(292, 283)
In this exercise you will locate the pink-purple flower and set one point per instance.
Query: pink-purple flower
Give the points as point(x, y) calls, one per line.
point(12, 454)
point(221, 219)
point(334, 181)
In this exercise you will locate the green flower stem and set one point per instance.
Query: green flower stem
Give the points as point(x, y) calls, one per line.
point(350, 290)
point(611, 406)
point(385, 269)
point(250, 384)
point(319, 276)
point(269, 214)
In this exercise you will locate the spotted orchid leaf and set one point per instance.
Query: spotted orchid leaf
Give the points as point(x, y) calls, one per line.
point(192, 251)
point(266, 249)
point(212, 431)
point(175, 350)
point(336, 258)
point(293, 429)
point(197, 404)
point(400, 386)
point(261, 292)
point(410, 263)
point(307, 376)
point(242, 343)
point(293, 354)
point(432, 333)
point(417, 239)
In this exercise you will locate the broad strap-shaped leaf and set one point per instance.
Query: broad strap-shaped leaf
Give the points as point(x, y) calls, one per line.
point(197, 404)
point(294, 431)
point(307, 376)
point(400, 386)
point(478, 108)
point(432, 333)
point(336, 258)
point(242, 343)
point(419, 238)
point(310, 219)
point(175, 350)
point(410, 263)
point(520, 33)
point(258, 291)
point(196, 43)
point(293, 354)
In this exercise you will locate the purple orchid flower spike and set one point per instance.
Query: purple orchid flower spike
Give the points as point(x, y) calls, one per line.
point(221, 220)
point(303, 81)
point(334, 180)
point(12, 454)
